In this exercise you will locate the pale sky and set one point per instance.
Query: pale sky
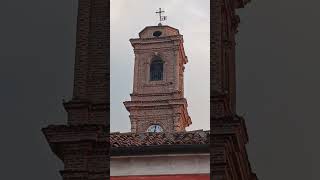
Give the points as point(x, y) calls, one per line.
point(192, 18)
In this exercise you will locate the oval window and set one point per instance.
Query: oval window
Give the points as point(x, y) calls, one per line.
point(157, 33)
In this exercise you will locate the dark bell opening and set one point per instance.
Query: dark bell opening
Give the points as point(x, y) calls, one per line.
point(157, 33)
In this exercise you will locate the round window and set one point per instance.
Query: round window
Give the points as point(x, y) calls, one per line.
point(157, 33)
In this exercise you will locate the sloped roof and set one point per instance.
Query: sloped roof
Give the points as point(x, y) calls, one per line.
point(118, 140)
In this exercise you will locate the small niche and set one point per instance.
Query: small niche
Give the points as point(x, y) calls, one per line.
point(157, 33)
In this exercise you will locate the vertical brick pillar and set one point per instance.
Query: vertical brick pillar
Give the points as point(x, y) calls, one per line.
point(82, 144)
point(228, 134)
point(215, 43)
point(82, 45)
point(97, 71)
point(222, 64)
point(89, 102)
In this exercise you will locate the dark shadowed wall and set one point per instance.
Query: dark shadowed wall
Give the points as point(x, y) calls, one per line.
point(278, 87)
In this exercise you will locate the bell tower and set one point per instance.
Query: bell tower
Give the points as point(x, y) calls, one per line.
point(157, 101)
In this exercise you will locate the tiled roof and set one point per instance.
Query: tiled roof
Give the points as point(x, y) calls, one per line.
point(156, 139)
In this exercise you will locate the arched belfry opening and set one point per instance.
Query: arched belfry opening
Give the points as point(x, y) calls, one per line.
point(156, 69)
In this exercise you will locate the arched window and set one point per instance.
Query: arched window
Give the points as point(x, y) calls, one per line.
point(156, 69)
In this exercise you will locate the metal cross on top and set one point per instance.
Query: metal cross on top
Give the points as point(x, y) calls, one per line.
point(162, 18)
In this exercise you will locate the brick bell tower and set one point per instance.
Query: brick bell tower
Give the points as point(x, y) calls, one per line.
point(157, 101)
point(82, 144)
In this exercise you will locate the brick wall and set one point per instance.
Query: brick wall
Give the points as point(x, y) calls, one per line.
point(228, 133)
point(158, 102)
point(90, 93)
point(82, 144)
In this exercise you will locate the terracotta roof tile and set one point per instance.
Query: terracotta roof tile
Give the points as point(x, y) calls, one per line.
point(150, 139)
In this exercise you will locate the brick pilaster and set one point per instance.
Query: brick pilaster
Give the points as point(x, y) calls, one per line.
point(82, 144)
point(89, 102)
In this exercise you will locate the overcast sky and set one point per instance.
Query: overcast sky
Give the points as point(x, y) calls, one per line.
point(192, 18)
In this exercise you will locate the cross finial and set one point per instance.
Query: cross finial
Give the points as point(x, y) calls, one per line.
point(162, 18)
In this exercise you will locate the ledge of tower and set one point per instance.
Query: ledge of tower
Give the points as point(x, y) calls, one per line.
point(158, 31)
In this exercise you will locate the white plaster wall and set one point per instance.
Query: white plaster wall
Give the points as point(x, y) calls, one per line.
point(160, 165)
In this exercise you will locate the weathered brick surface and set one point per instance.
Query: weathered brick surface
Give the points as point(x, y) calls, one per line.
point(84, 149)
point(228, 132)
point(158, 102)
point(82, 144)
point(90, 72)
point(91, 55)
